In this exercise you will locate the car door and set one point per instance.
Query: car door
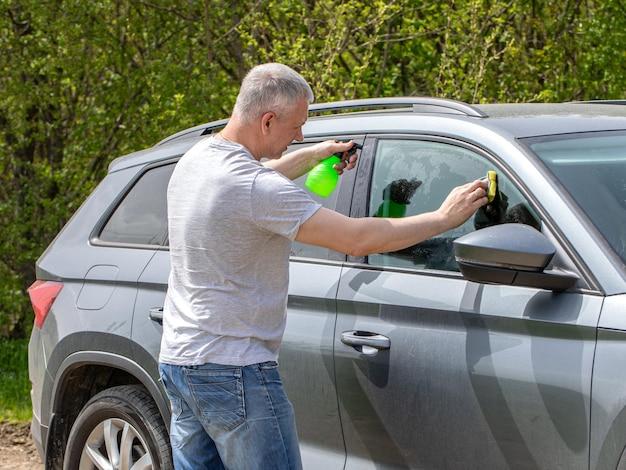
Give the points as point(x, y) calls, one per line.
point(434, 371)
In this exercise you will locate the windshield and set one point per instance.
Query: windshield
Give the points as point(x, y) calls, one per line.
point(592, 167)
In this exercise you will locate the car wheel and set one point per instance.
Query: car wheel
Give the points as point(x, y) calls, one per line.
point(120, 427)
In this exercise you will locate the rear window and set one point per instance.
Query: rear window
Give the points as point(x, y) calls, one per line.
point(141, 216)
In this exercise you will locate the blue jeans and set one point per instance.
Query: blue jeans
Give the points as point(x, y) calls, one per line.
point(230, 417)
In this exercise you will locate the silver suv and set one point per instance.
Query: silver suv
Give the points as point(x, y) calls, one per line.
point(500, 344)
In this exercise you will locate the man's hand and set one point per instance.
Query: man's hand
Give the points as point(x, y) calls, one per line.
point(463, 201)
point(303, 160)
point(329, 147)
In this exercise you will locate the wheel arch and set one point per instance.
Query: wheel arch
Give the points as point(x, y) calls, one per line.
point(80, 376)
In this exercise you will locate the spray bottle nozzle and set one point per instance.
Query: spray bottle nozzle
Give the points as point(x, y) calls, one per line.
point(351, 152)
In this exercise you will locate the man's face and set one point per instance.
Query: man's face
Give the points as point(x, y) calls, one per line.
point(285, 128)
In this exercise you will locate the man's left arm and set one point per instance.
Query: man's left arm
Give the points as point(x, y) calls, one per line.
point(297, 163)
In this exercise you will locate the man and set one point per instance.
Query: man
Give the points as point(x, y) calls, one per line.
point(232, 220)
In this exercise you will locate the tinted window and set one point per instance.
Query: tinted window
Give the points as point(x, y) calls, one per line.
point(141, 217)
point(412, 177)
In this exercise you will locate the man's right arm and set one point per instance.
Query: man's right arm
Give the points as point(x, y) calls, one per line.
point(368, 235)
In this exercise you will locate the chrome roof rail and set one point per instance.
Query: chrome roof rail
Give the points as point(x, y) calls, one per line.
point(202, 129)
point(418, 104)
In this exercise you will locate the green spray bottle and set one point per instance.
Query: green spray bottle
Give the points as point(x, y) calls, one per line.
point(323, 178)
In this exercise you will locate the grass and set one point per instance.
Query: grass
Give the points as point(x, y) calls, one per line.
point(15, 405)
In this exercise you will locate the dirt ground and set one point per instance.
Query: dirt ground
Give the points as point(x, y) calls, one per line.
point(17, 451)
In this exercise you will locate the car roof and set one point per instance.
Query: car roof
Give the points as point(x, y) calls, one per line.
point(541, 119)
point(515, 120)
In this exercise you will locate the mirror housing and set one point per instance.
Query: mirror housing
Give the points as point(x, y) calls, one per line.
point(510, 254)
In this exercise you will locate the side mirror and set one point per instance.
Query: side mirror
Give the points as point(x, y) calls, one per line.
point(511, 254)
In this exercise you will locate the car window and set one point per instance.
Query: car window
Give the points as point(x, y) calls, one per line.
point(141, 217)
point(412, 176)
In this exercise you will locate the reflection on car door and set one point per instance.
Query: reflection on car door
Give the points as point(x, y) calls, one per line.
point(306, 363)
point(475, 376)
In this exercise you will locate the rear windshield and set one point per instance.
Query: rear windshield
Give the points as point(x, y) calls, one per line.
point(592, 168)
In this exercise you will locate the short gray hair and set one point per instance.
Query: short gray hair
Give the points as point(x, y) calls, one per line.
point(270, 87)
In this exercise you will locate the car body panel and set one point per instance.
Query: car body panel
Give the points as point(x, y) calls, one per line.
point(608, 424)
point(485, 367)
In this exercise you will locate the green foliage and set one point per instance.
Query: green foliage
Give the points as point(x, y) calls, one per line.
point(85, 82)
point(14, 384)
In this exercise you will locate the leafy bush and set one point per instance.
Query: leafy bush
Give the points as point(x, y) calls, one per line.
point(85, 82)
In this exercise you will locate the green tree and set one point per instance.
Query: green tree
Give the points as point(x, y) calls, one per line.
point(85, 82)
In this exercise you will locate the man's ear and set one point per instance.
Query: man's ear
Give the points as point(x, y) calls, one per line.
point(266, 121)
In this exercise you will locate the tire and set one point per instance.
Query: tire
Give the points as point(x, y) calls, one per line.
point(119, 428)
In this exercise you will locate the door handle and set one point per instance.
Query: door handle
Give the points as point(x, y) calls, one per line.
point(156, 315)
point(365, 342)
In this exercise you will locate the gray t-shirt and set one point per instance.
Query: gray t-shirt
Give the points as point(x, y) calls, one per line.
point(231, 225)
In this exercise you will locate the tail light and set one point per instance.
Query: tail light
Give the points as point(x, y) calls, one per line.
point(42, 295)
